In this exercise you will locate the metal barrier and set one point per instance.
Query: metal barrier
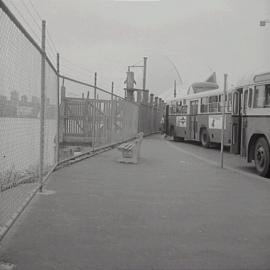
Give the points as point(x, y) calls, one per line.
point(95, 119)
point(150, 115)
point(34, 124)
point(28, 119)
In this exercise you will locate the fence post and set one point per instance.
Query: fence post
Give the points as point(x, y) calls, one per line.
point(58, 109)
point(42, 105)
point(62, 114)
point(152, 112)
point(223, 120)
point(94, 112)
point(156, 112)
point(111, 113)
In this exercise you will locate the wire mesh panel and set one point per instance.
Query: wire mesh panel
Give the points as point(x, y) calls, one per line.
point(20, 73)
point(150, 117)
point(20, 104)
point(51, 118)
point(92, 117)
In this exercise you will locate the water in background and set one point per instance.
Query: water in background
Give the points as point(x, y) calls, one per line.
point(20, 140)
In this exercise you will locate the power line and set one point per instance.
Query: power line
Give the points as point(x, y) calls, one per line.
point(77, 66)
point(31, 3)
point(39, 27)
point(28, 11)
point(25, 21)
point(175, 68)
point(49, 40)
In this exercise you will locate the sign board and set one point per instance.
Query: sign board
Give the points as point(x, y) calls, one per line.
point(215, 122)
point(181, 121)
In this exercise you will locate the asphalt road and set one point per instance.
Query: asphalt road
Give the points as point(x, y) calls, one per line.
point(176, 209)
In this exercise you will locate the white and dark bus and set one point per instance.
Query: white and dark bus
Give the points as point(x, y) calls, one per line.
point(198, 117)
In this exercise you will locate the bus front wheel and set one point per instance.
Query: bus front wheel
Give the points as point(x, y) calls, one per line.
point(262, 157)
point(205, 138)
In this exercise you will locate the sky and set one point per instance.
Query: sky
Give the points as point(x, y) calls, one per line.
point(194, 37)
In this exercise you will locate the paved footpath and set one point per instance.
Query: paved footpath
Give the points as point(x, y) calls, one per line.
point(171, 211)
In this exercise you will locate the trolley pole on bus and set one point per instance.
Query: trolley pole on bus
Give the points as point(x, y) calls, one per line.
point(223, 119)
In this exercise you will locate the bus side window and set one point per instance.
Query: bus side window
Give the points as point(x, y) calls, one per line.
point(245, 101)
point(267, 95)
point(235, 103)
point(213, 104)
point(259, 96)
point(184, 107)
point(250, 96)
point(229, 102)
point(204, 105)
point(173, 108)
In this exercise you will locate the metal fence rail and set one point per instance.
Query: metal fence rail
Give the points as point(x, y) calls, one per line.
point(94, 119)
point(150, 115)
point(20, 104)
point(37, 130)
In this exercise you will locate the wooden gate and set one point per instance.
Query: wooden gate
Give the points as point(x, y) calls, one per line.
point(88, 121)
point(85, 120)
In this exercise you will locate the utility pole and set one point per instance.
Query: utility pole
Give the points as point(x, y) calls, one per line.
point(174, 92)
point(144, 72)
point(112, 114)
point(223, 120)
point(94, 112)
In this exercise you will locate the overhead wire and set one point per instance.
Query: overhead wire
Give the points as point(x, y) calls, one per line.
point(50, 42)
point(30, 14)
point(25, 21)
point(51, 50)
point(77, 66)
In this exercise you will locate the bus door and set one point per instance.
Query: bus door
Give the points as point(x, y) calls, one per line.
point(193, 119)
point(236, 121)
point(244, 123)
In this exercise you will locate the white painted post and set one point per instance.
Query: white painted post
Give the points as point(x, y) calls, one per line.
point(223, 120)
point(95, 113)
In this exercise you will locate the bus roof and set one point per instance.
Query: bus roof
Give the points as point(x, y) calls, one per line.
point(201, 94)
point(252, 78)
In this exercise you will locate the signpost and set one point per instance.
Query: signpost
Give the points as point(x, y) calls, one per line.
point(223, 119)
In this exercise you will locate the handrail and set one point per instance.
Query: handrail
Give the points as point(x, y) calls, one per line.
point(92, 86)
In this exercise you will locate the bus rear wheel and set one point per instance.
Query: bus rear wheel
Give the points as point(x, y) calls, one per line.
point(262, 157)
point(205, 138)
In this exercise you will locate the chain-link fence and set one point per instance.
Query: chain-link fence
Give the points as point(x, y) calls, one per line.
point(33, 121)
point(40, 127)
point(150, 115)
point(92, 117)
point(20, 104)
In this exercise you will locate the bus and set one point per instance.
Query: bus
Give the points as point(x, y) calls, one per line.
point(251, 121)
point(198, 117)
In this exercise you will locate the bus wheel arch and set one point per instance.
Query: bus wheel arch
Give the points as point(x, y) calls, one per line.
point(204, 137)
point(251, 145)
point(259, 151)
